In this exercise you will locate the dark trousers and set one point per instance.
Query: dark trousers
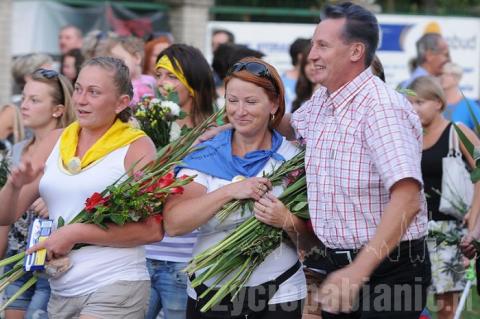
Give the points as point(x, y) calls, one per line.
point(286, 310)
point(396, 289)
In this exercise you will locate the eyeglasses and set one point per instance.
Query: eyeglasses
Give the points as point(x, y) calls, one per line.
point(255, 68)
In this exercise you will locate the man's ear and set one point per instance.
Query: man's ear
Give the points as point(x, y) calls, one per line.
point(357, 51)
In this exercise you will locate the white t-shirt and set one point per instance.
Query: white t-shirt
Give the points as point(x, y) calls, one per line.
point(281, 259)
point(92, 266)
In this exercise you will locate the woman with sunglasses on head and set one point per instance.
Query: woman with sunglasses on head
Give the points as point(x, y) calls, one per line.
point(231, 166)
point(108, 277)
point(184, 69)
point(46, 106)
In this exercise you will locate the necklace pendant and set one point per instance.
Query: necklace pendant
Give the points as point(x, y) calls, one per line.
point(74, 166)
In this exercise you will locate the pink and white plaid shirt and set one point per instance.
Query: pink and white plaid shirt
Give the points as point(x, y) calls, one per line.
point(361, 140)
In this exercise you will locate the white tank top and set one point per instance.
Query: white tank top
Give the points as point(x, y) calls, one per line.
point(65, 195)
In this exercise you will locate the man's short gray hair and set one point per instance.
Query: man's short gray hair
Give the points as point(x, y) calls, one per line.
point(428, 42)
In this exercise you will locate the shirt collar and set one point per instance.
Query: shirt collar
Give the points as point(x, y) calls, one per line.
point(348, 91)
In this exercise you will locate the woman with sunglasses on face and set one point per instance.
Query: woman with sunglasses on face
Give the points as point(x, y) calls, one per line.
point(184, 69)
point(231, 166)
point(46, 106)
point(108, 277)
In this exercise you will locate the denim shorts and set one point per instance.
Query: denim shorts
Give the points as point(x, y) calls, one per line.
point(35, 300)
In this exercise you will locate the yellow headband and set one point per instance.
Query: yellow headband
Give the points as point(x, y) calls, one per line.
point(166, 64)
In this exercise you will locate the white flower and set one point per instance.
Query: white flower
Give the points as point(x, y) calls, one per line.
point(174, 108)
point(154, 101)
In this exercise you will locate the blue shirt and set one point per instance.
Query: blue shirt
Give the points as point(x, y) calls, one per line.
point(459, 112)
point(419, 71)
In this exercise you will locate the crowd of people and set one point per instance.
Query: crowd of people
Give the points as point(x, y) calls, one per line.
point(373, 164)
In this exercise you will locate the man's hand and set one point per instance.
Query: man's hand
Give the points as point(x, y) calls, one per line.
point(339, 292)
point(212, 132)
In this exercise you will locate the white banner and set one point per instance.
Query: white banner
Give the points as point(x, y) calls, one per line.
point(399, 34)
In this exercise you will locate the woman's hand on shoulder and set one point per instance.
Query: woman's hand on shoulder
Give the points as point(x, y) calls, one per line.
point(140, 153)
point(254, 187)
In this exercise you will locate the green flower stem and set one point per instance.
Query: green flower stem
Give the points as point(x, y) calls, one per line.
point(12, 259)
point(225, 289)
point(11, 271)
point(20, 291)
point(13, 277)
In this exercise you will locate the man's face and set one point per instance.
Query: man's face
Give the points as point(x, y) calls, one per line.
point(217, 39)
point(437, 59)
point(69, 39)
point(330, 54)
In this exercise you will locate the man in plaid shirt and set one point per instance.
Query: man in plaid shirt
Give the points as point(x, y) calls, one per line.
point(364, 146)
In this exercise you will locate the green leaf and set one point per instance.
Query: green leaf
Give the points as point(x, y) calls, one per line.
point(118, 219)
point(299, 206)
point(464, 139)
point(475, 175)
point(60, 222)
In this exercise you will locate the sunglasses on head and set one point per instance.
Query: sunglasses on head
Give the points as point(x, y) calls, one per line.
point(51, 74)
point(46, 73)
point(254, 68)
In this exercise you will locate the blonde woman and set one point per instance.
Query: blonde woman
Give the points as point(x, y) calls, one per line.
point(46, 106)
point(448, 273)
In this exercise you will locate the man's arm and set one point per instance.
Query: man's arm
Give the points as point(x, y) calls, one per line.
point(405, 203)
point(285, 127)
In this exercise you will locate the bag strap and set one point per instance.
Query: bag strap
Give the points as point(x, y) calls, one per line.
point(453, 143)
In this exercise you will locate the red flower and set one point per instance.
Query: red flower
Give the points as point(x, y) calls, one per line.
point(177, 190)
point(158, 218)
point(95, 200)
point(166, 180)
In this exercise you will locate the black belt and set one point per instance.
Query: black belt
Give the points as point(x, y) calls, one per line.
point(342, 257)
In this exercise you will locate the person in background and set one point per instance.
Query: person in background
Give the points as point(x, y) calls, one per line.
point(432, 54)
point(71, 63)
point(152, 50)
point(448, 271)
point(23, 66)
point(457, 109)
point(70, 37)
point(96, 43)
point(46, 106)
point(305, 85)
point(221, 36)
point(11, 126)
point(290, 77)
point(183, 68)
point(130, 50)
point(377, 68)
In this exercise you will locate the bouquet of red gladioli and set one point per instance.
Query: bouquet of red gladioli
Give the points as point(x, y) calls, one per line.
point(131, 201)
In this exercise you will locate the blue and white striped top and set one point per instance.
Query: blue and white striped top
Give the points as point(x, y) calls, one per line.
point(176, 249)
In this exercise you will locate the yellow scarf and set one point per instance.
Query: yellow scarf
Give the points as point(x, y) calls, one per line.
point(118, 135)
point(166, 64)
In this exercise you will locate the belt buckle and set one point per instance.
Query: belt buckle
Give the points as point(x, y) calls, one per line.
point(347, 253)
